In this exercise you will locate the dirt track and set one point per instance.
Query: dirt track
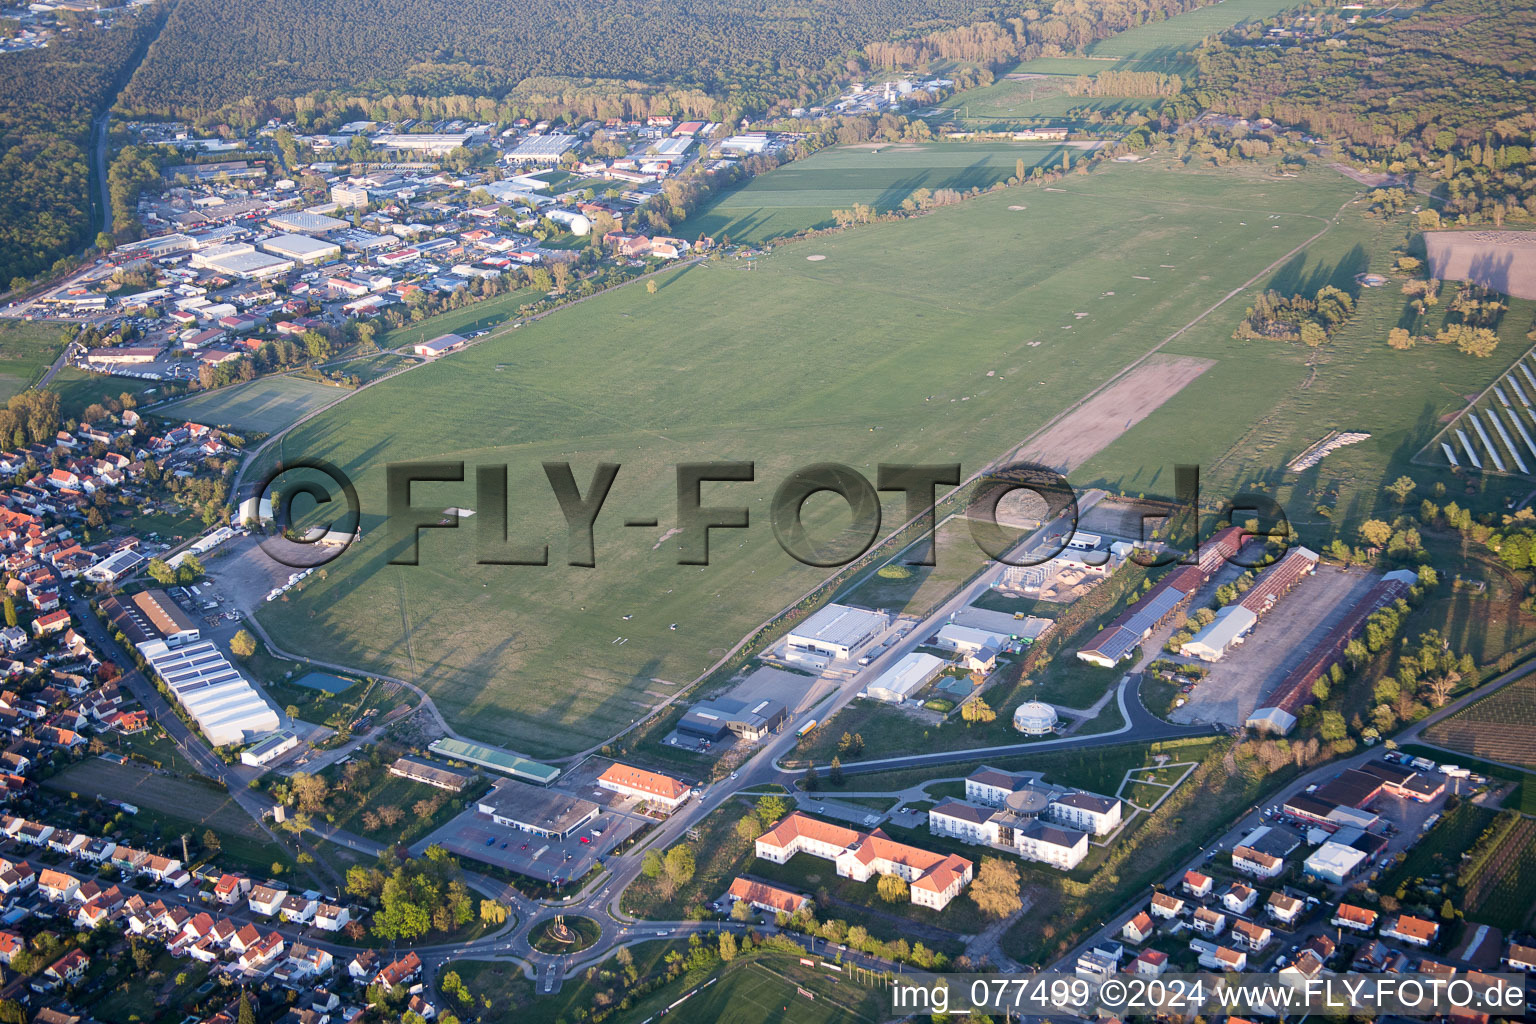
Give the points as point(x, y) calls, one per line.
point(1091, 428)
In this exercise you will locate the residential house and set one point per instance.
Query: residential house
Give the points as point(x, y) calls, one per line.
point(1239, 898)
point(297, 909)
point(1415, 930)
point(1356, 918)
point(1284, 909)
point(1138, 929)
point(265, 900)
point(330, 917)
point(1250, 936)
point(1166, 906)
point(1198, 885)
point(1150, 963)
point(1209, 922)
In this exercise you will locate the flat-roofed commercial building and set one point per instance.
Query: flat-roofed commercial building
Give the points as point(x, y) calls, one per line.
point(437, 143)
point(836, 632)
point(542, 149)
point(241, 259)
point(305, 223)
point(544, 812)
point(302, 248)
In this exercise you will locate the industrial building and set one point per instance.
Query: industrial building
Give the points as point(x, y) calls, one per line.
point(715, 719)
point(542, 149)
point(150, 615)
point(1122, 636)
point(835, 633)
point(269, 749)
point(305, 223)
point(544, 812)
point(969, 640)
point(905, 678)
point(1234, 621)
point(303, 249)
point(223, 703)
point(437, 144)
point(1229, 627)
point(438, 346)
point(1295, 690)
point(241, 259)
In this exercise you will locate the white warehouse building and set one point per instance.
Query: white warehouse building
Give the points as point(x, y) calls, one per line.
point(1229, 627)
point(905, 678)
point(835, 632)
point(223, 703)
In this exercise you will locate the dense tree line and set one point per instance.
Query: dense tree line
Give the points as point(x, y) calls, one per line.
point(1443, 94)
point(48, 98)
point(242, 62)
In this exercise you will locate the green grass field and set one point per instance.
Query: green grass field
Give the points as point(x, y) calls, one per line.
point(757, 987)
point(868, 367)
point(26, 350)
point(267, 404)
point(1159, 45)
point(1027, 93)
point(488, 313)
point(803, 194)
point(81, 388)
point(169, 806)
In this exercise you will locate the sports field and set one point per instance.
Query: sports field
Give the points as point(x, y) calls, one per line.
point(775, 988)
point(803, 194)
point(1028, 92)
point(268, 404)
point(951, 337)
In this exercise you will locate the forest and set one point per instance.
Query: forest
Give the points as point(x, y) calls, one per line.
point(241, 62)
point(48, 98)
point(1445, 93)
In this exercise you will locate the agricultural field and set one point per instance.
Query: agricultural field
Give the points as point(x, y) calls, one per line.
point(996, 348)
point(26, 351)
point(1503, 891)
point(268, 404)
point(1501, 727)
point(803, 194)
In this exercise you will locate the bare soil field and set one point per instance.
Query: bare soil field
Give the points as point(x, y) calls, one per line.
point(1089, 429)
point(1502, 260)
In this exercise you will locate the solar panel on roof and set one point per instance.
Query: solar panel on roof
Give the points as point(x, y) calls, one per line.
point(1119, 644)
point(1152, 608)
